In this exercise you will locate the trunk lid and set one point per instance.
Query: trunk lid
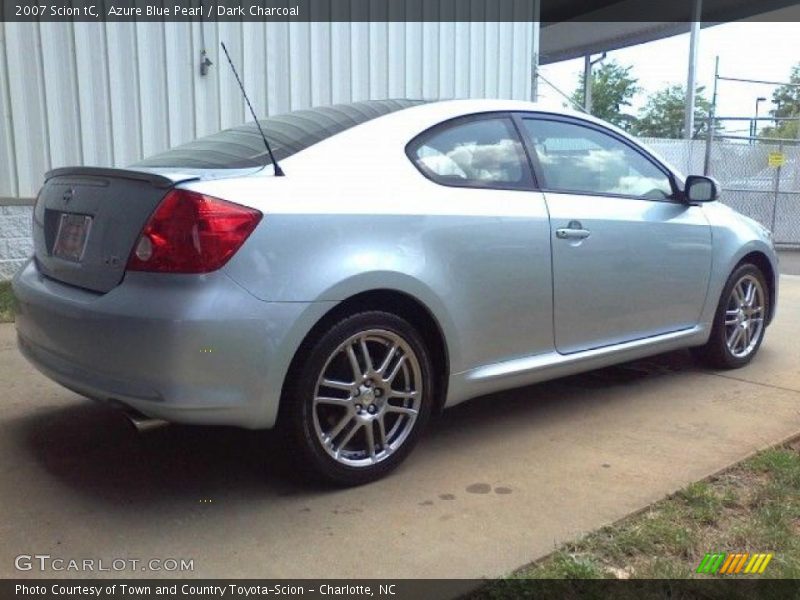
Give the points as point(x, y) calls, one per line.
point(88, 219)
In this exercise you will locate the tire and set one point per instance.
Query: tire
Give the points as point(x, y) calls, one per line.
point(732, 316)
point(364, 419)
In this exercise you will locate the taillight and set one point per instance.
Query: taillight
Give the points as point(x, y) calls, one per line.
point(192, 233)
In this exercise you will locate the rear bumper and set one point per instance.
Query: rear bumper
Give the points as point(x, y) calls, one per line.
point(188, 349)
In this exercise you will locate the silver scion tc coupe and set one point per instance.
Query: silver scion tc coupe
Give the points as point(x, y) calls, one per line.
point(414, 255)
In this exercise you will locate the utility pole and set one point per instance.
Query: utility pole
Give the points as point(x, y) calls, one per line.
point(711, 113)
point(754, 127)
point(588, 63)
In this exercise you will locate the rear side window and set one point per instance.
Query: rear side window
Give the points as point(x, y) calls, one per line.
point(479, 152)
point(574, 158)
point(242, 147)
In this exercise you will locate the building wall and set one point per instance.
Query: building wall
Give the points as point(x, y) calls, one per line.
point(15, 238)
point(111, 93)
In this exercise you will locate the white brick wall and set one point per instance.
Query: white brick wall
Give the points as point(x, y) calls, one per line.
point(15, 239)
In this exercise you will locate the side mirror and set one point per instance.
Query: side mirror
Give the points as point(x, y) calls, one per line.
point(700, 188)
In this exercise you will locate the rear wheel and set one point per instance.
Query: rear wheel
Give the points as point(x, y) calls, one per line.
point(361, 398)
point(740, 320)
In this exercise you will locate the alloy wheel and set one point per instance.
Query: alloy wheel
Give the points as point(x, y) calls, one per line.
point(744, 316)
point(367, 398)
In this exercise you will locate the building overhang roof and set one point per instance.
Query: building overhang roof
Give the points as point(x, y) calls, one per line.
point(570, 31)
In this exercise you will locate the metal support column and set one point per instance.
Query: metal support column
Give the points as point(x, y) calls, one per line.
point(535, 36)
point(587, 83)
point(691, 85)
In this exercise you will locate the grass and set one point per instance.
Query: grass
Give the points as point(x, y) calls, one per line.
point(6, 302)
point(752, 507)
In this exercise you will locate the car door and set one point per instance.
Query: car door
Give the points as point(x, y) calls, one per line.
point(488, 240)
point(630, 259)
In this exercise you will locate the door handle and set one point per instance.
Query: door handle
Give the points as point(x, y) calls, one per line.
point(573, 231)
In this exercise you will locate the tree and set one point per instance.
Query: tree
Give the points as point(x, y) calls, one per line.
point(786, 99)
point(612, 88)
point(663, 114)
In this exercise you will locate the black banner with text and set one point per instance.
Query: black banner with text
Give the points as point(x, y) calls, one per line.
point(399, 589)
point(546, 11)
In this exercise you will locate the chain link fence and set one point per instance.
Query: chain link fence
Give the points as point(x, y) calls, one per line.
point(759, 179)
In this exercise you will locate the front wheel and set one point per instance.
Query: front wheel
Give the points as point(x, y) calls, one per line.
point(361, 398)
point(740, 320)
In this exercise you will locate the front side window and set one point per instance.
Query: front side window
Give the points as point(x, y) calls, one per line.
point(484, 152)
point(575, 158)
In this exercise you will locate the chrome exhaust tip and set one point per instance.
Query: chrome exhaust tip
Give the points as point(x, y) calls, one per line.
point(142, 422)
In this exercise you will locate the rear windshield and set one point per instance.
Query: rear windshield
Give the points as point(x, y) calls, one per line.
point(242, 147)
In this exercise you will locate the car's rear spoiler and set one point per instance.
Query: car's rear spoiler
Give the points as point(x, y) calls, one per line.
point(157, 180)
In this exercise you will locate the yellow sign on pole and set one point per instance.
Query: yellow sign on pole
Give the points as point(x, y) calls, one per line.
point(776, 159)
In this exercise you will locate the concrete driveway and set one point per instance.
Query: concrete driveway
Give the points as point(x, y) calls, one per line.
point(790, 261)
point(496, 482)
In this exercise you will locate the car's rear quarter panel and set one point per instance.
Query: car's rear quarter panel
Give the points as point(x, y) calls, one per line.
point(333, 228)
point(193, 349)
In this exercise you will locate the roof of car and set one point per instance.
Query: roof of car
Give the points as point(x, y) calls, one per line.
point(289, 133)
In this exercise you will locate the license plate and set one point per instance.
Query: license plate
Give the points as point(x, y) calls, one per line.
point(73, 231)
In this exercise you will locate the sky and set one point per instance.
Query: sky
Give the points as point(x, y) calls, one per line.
point(749, 50)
